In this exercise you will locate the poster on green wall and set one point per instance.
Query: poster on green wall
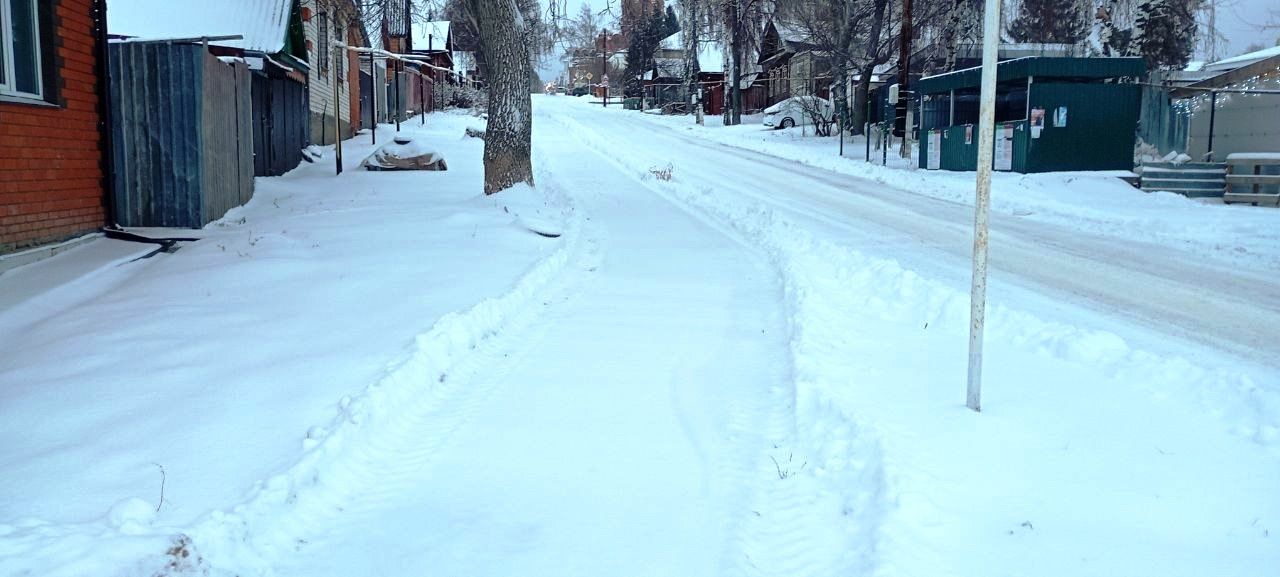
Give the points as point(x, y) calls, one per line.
point(1060, 117)
point(1004, 147)
point(1037, 122)
point(935, 150)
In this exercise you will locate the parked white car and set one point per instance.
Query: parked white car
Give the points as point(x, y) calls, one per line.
point(798, 111)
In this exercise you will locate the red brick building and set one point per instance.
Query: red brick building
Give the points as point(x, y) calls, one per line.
point(51, 145)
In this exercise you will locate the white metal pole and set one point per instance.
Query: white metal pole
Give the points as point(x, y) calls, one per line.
point(982, 203)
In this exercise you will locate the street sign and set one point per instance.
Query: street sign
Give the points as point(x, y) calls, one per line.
point(588, 76)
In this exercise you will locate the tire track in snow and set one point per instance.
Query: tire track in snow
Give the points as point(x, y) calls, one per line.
point(817, 482)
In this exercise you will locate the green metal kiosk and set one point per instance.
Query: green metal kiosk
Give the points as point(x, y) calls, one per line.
point(1052, 114)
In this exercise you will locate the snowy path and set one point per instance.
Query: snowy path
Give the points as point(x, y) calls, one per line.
point(617, 433)
point(1175, 293)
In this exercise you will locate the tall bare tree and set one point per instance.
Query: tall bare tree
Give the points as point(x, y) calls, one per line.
point(851, 35)
point(743, 28)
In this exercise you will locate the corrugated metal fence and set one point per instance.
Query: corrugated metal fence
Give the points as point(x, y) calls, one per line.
point(280, 116)
point(178, 118)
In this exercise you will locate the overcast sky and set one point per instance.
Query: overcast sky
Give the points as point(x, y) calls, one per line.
point(1238, 20)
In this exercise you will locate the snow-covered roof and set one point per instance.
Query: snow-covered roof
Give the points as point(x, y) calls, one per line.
point(790, 33)
point(264, 24)
point(430, 35)
point(673, 42)
point(1242, 60)
point(710, 54)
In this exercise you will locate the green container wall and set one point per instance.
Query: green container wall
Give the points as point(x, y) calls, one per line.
point(1102, 120)
point(956, 155)
point(1100, 132)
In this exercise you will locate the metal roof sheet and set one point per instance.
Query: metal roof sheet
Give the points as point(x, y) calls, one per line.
point(264, 24)
point(1242, 60)
point(1037, 66)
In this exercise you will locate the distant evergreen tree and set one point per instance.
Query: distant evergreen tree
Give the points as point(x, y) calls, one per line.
point(643, 42)
point(1048, 21)
point(672, 24)
point(1164, 32)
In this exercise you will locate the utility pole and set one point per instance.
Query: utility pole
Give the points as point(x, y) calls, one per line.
point(982, 203)
point(422, 82)
point(337, 110)
point(604, 64)
point(904, 79)
point(395, 71)
point(734, 93)
point(373, 98)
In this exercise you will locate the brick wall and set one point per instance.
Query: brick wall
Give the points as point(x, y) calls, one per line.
point(50, 157)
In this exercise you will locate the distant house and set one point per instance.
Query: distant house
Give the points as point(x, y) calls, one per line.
point(395, 34)
point(606, 57)
point(666, 82)
point(51, 144)
point(334, 75)
point(432, 42)
point(373, 73)
point(791, 64)
point(466, 67)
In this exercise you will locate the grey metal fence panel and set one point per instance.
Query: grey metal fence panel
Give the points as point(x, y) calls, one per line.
point(1159, 123)
point(226, 171)
point(178, 116)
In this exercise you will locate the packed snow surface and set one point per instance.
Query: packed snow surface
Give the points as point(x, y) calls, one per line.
point(743, 355)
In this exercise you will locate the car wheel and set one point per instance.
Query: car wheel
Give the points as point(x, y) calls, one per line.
point(787, 123)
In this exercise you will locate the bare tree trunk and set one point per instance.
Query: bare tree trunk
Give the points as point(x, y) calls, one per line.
point(863, 89)
point(691, 65)
point(508, 134)
point(844, 47)
point(733, 92)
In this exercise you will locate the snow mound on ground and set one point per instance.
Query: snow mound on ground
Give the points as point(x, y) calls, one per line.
point(534, 209)
point(132, 516)
point(405, 153)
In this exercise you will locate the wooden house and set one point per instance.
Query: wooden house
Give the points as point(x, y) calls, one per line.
point(333, 78)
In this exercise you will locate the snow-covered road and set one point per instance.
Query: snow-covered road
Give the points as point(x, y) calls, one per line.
point(728, 364)
point(1173, 292)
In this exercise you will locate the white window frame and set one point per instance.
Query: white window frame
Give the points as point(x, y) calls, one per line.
point(7, 88)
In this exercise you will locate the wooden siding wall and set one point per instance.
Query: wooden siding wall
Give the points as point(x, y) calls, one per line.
point(321, 76)
point(50, 156)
